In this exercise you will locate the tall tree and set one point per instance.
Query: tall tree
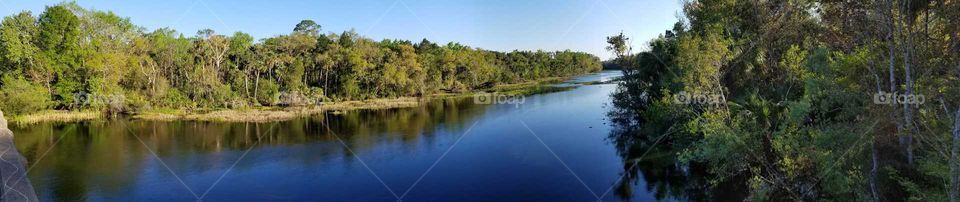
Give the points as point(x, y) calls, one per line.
point(241, 58)
point(19, 52)
point(60, 43)
point(308, 27)
point(619, 45)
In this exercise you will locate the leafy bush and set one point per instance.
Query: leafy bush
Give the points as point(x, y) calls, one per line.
point(316, 95)
point(176, 99)
point(21, 96)
point(268, 93)
point(136, 101)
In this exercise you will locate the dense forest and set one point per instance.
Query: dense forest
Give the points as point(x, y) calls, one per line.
point(71, 58)
point(800, 104)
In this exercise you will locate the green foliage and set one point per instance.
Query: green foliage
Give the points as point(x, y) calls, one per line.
point(798, 120)
point(307, 27)
point(173, 98)
point(269, 94)
point(70, 51)
point(19, 53)
point(21, 96)
point(619, 45)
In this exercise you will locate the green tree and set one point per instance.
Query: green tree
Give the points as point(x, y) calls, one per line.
point(60, 43)
point(240, 58)
point(72, 51)
point(308, 27)
point(18, 47)
point(619, 45)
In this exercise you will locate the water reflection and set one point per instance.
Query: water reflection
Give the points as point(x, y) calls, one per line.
point(90, 160)
point(645, 139)
point(301, 159)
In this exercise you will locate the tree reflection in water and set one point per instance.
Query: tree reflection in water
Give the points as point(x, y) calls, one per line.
point(107, 157)
point(651, 150)
point(84, 161)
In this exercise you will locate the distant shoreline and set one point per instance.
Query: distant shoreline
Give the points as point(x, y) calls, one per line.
point(271, 114)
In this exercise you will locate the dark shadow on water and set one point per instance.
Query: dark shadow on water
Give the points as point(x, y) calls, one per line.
point(73, 160)
point(651, 152)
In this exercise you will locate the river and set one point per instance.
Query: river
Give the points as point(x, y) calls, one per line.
point(552, 147)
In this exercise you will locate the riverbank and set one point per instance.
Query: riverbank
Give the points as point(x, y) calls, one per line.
point(56, 116)
point(268, 114)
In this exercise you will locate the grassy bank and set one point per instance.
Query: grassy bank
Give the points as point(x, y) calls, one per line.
point(56, 116)
point(267, 114)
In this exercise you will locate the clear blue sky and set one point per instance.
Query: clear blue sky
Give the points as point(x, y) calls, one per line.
point(503, 25)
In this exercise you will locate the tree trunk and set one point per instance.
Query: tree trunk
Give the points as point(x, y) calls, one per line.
point(874, 154)
point(256, 87)
point(954, 164)
point(907, 140)
point(954, 170)
point(325, 80)
point(891, 56)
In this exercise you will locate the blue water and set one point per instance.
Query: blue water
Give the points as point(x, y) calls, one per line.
point(451, 150)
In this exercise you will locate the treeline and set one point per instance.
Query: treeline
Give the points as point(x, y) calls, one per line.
point(71, 58)
point(805, 111)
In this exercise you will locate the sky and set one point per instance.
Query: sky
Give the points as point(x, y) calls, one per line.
point(502, 25)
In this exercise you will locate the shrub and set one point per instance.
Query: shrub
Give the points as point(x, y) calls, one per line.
point(316, 95)
point(20, 96)
point(136, 101)
point(175, 98)
point(268, 93)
